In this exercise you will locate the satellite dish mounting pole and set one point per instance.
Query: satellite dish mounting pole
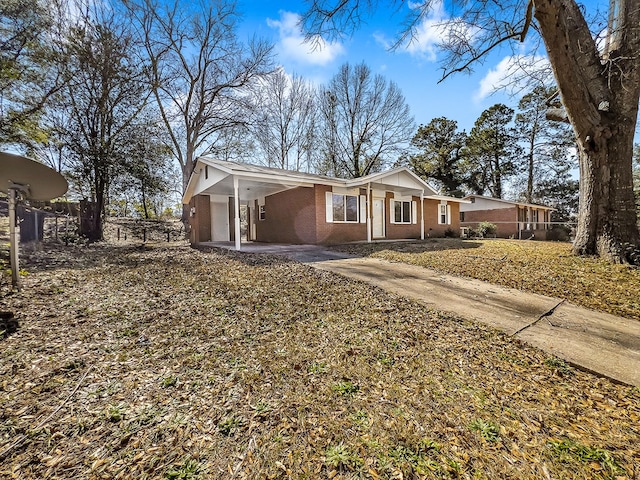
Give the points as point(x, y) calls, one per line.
point(13, 238)
point(34, 181)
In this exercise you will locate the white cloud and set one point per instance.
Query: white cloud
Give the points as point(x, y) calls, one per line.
point(292, 45)
point(435, 29)
point(431, 32)
point(513, 73)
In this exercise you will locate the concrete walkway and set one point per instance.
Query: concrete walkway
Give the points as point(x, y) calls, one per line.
point(604, 344)
point(595, 341)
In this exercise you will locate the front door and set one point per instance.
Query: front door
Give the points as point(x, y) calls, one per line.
point(219, 222)
point(378, 217)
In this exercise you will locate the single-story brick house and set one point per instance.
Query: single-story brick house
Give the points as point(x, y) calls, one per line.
point(282, 206)
point(513, 219)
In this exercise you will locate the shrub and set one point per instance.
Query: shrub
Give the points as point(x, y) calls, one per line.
point(486, 228)
point(449, 233)
point(559, 233)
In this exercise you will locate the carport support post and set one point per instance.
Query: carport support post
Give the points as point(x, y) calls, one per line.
point(236, 198)
point(422, 215)
point(369, 212)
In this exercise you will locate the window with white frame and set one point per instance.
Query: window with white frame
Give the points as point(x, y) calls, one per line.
point(403, 211)
point(262, 212)
point(444, 214)
point(346, 208)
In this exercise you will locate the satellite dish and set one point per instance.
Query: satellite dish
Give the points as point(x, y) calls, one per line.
point(33, 181)
point(38, 181)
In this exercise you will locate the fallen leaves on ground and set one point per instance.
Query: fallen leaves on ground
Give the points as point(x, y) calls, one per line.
point(168, 362)
point(546, 268)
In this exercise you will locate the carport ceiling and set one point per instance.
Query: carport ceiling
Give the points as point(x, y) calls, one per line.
point(250, 188)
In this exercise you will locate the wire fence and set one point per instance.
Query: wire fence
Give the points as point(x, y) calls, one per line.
point(61, 222)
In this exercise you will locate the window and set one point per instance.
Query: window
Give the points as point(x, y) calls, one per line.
point(345, 208)
point(401, 212)
point(206, 172)
point(262, 212)
point(444, 214)
point(462, 216)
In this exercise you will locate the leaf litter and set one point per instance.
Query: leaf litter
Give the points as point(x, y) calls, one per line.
point(169, 362)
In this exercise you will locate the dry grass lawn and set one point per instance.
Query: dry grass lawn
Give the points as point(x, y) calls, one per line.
point(547, 268)
point(170, 363)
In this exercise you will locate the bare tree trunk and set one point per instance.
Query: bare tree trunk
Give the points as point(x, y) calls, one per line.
point(530, 167)
point(601, 99)
point(144, 201)
point(607, 216)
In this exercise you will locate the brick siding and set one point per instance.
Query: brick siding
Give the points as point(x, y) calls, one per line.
point(290, 217)
point(431, 212)
point(497, 216)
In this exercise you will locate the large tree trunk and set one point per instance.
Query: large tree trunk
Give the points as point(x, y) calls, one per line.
point(607, 217)
point(600, 96)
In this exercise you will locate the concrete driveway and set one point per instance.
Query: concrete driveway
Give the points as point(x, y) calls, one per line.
point(595, 341)
point(598, 342)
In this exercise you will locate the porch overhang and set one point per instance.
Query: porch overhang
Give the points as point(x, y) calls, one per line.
point(217, 178)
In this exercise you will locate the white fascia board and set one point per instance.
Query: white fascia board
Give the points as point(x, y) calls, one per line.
point(375, 177)
point(510, 202)
point(447, 198)
point(214, 164)
point(191, 185)
point(294, 180)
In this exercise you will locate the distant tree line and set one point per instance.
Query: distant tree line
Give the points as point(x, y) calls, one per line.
point(517, 154)
point(122, 96)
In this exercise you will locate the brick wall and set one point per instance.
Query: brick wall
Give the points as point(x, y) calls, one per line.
point(431, 212)
point(497, 215)
point(200, 222)
point(399, 231)
point(334, 233)
point(290, 217)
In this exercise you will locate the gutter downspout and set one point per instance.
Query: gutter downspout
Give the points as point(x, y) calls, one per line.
point(422, 214)
point(369, 212)
point(237, 212)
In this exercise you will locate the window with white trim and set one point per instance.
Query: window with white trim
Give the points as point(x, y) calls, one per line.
point(403, 211)
point(345, 208)
point(444, 214)
point(262, 212)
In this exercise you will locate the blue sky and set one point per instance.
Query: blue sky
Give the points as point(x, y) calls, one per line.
point(416, 70)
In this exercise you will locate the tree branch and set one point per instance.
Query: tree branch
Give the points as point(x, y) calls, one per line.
point(476, 57)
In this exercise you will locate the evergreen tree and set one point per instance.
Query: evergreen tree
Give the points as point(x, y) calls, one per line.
point(439, 147)
point(492, 151)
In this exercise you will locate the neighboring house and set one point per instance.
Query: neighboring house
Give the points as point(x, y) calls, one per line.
point(513, 219)
point(283, 206)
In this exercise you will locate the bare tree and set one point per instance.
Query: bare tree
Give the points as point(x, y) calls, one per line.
point(198, 71)
point(600, 89)
point(366, 120)
point(103, 98)
point(284, 120)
